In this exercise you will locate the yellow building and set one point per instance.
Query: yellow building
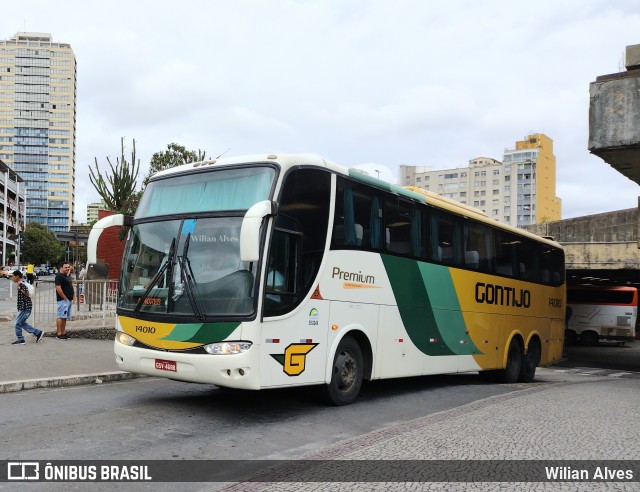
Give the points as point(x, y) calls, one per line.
point(38, 123)
point(536, 165)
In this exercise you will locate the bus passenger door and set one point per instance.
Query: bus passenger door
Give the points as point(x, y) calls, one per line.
point(294, 333)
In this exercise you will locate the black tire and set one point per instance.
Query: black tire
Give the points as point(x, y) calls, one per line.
point(530, 361)
point(511, 372)
point(589, 339)
point(346, 373)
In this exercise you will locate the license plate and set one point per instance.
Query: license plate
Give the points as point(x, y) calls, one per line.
point(165, 365)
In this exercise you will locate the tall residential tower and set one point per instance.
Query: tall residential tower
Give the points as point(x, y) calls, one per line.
point(38, 124)
point(519, 191)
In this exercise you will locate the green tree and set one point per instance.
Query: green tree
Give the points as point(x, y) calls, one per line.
point(39, 245)
point(118, 190)
point(175, 155)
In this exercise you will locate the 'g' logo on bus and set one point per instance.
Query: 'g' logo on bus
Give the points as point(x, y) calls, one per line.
point(294, 358)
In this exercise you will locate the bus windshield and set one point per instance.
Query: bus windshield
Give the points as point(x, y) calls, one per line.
point(187, 261)
point(187, 267)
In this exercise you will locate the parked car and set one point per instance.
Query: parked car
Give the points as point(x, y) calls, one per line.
point(46, 269)
point(40, 271)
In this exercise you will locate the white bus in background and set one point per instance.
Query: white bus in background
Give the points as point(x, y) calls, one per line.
point(601, 313)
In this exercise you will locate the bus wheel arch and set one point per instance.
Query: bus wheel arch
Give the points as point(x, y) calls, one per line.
point(530, 360)
point(348, 369)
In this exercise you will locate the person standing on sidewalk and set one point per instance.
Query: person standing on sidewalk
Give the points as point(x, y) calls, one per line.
point(64, 296)
point(30, 277)
point(24, 311)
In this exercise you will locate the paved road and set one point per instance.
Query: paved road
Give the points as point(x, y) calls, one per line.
point(607, 356)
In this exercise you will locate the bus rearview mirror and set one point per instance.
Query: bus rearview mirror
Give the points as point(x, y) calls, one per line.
point(250, 229)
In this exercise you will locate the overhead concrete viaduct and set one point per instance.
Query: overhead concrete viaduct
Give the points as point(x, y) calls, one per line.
point(603, 248)
point(599, 249)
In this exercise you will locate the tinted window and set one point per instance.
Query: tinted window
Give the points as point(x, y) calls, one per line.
point(445, 239)
point(478, 246)
point(298, 242)
point(358, 217)
point(600, 296)
point(404, 227)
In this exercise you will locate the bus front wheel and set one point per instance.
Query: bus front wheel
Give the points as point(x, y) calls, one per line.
point(346, 373)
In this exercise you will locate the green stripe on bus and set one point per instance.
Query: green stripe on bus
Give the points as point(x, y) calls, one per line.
point(429, 307)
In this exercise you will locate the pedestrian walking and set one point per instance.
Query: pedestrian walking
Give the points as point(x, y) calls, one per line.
point(64, 296)
point(24, 310)
point(30, 277)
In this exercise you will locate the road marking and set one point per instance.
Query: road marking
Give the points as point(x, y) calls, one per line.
point(619, 374)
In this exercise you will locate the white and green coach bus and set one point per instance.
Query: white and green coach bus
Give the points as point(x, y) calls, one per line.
point(281, 270)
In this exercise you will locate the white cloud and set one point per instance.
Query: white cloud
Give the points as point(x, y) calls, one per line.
point(371, 84)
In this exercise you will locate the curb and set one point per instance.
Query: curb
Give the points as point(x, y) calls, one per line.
point(62, 381)
point(91, 333)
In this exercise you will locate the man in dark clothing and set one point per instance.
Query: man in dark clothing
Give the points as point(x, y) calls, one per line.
point(24, 311)
point(64, 296)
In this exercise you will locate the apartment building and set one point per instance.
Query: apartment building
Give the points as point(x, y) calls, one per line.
point(38, 124)
point(519, 190)
point(92, 210)
point(12, 212)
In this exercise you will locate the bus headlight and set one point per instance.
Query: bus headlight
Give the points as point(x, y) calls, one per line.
point(125, 339)
point(227, 348)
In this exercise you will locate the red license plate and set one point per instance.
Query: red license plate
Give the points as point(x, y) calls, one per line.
point(166, 365)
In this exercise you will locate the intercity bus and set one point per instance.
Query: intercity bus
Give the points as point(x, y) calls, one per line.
point(281, 270)
point(601, 313)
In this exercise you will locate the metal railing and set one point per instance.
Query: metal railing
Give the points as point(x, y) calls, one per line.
point(93, 299)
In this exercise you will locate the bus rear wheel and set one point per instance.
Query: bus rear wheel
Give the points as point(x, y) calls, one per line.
point(511, 372)
point(346, 373)
point(529, 362)
point(589, 339)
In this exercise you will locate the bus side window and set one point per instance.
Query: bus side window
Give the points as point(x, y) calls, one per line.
point(477, 250)
point(551, 265)
point(357, 218)
point(404, 227)
point(445, 237)
point(505, 245)
point(527, 259)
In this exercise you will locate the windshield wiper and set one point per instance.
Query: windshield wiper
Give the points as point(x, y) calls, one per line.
point(188, 278)
point(156, 278)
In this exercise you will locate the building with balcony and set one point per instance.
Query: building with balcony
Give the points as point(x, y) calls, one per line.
point(38, 124)
point(92, 210)
point(519, 190)
point(12, 213)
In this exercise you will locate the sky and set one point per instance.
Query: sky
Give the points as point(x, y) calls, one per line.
point(371, 84)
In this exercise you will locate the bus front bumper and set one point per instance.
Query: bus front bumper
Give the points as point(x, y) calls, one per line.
point(232, 371)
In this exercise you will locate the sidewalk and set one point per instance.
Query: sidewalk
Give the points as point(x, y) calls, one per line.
point(86, 358)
